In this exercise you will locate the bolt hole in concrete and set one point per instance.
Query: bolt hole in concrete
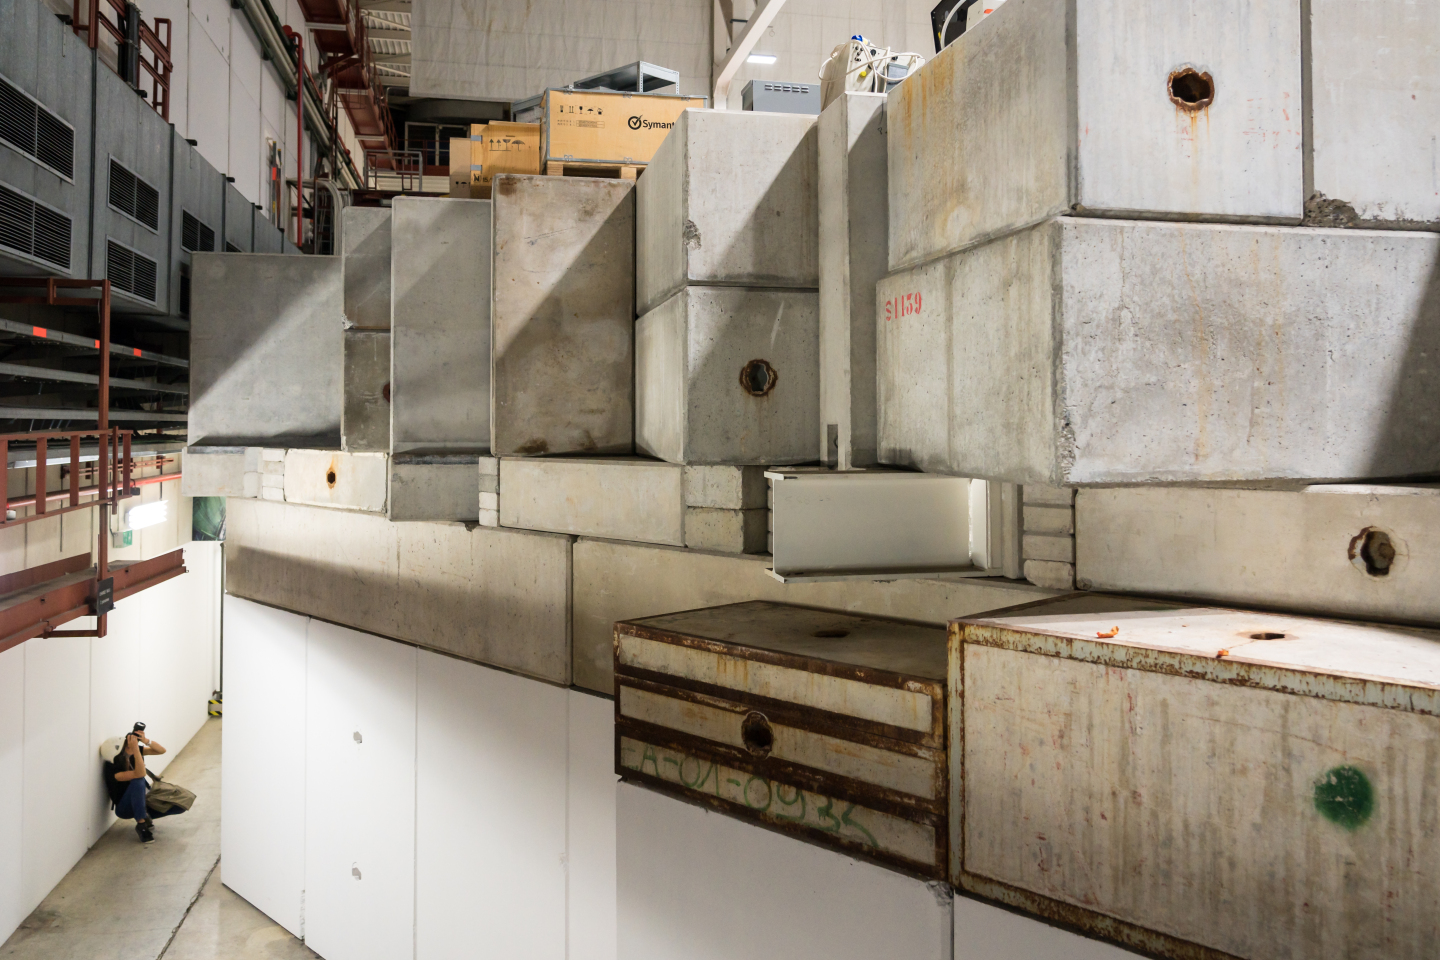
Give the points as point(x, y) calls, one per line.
point(756, 734)
point(758, 378)
point(385, 392)
point(330, 477)
point(830, 634)
point(1191, 90)
point(1268, 636)
point(1374, 550)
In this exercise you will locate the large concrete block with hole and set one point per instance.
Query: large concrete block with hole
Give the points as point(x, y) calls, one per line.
point(365, 249)
point(1375, 110)
point(621, 498)
point(624, 581)
point(1089, 351)
point(1350, 550)
point(365, 418)
point(563, 316)
point(730, 197)
point(853, 258)
point(440, 326)
point(500, 597)
point(728, 375)
point(332, 478)
point(266, 350)
point(1119, 107)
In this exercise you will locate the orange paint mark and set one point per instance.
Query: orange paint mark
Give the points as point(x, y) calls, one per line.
point(1107, 634)
point(1222, 653)
point(38, 331)
point(136, 350)
point(97, 344)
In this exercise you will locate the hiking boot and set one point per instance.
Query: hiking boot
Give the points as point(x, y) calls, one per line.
point(146, 831)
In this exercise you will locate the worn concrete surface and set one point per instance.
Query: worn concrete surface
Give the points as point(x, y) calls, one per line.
point(1087, 351)
point(692, 405)
point(266, 350)
point(727, 487)
point(729, 198)
point(620, 499)
point(365, 250)
point(500, 597)
point(853, 258)
point(1301, 550)
point(563, 316)
point(365, 418)
point(440, 325)
point(1375, 110)
point(434, 488)
point(213, 472)
point(622, 581)
point(222, 926)
point(1004, 127)
point(726, 530)
point(330, 478)
point(124, 900)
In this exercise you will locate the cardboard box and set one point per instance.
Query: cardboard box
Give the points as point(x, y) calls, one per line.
point(492, 148)
point(609, 128)
point(460, 152)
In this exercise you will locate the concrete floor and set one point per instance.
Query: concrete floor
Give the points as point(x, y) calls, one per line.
point(128, 901)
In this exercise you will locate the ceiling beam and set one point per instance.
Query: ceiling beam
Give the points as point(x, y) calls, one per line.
point(755, 27)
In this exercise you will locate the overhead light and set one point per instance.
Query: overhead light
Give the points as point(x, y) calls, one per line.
point(764, 58)
point(147, 514)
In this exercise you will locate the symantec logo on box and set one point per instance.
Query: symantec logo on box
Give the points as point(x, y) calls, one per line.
point(906, 305)
point(640, 123)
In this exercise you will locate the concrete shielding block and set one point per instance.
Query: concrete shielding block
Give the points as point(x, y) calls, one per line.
point(729, 198)
point(1090, 351)
point(365, 420)
point(434, 488)
point(266, 350)
point(853, 258)
point(365, 249)
point(727, 375)
point(623, 581)
point(620, 499)
point(213, 473)
point(499, 597)
point(563, 316)
point(997, 131)
point(1051, 574)
point(727, 531)
point(440, 326)
point(329, 478)
point(1347, 550)
point(726, 487)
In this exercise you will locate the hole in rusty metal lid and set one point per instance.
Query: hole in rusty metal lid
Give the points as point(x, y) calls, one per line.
point(1191, 90)
point(756, 734)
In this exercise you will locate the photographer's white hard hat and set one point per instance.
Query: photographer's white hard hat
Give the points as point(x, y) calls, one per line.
point(110, 749)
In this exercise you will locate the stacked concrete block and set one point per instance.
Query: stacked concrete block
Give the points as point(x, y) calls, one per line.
point(618, 498)
point(435, 486)
point(1048, 545)
point(265, 473)
point(726, 362)
point(562, 316)
point(266, 350)
point(854, 215)
point(365, 251)
point(331, 478)
point(1124, 107)
point(365, 417)
point(726, 509)
point(1374, 112)
point(213, 472)
point(1093, 351)
point(489, 483)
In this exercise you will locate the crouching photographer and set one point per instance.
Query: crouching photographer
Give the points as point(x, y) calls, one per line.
point(132, 797)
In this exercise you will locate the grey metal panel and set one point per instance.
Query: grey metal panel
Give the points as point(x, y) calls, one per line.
point(239, 220)
point(197, 189)
point(43, 58)
point(128, 129)
point(268, 238)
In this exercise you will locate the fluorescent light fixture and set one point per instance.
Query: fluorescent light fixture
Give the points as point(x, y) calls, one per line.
point(764, 58)
point(147, 514)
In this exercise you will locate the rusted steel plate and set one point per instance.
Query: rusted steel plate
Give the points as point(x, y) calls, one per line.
point(1200, 781)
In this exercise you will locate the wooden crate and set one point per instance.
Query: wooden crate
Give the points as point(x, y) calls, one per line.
point(824, 725)
point(1198, 782)
point(492, 148)
point(607, 131)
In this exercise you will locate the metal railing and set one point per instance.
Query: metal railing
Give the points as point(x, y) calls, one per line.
point(398, 171)
point(133, 36)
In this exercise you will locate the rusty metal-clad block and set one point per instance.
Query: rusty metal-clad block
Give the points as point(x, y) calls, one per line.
point(824, 725)
point(1199, 782)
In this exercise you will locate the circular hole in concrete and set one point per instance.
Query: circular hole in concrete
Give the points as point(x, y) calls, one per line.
point(1377, 552)
point(1191, 90)
point(756, 734)
point(330, 476)
point(830, 634)
point(758, 378)
point(1268, 636)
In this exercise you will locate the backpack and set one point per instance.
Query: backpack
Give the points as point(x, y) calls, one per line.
point(165, 795)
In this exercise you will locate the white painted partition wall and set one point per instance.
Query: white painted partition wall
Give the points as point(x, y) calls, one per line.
point(985, 932)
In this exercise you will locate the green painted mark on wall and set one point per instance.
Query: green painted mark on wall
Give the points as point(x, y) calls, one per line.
point(1344, 797)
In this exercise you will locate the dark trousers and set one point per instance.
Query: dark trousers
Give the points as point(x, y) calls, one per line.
point(131, 805)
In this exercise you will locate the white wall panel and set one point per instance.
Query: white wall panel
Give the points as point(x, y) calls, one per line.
point(491, 819)
point(245, 144)
point(262, 835)
point(591, 914)
point(360, 796)
point(213, 16)
point(984, 932)
point(175, 653)
point(60, 763)
point(12, 747)
point(703, 886)
point(208, 94)
point(115, 704)
point(247, 59)
point(273, 104)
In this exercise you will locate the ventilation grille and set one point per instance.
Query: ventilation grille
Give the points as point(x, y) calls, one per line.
point(134, 197)
point(130, 271)
point(35, 131)
point(34, 229)
point(195, 236)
